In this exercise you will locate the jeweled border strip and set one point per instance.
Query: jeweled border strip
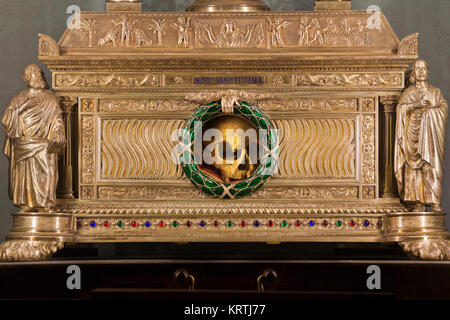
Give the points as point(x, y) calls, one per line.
point(155, 224)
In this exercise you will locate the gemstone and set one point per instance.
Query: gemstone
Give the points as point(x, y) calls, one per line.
point(148, 224)
point(79, 224)
point(243, 223)
point(188, 224)
point(202, 223)
point(106, 224)
point(120, 224)
point(366, 223)
point(339, 223)
point(270, 223)
point(256, 223)
point(311, 223)
point(161, 224)
point(174, 224)
point(284, 223)
point(216, 223)
point(134, 224)
point(229, 223)
point(325, 223)
point(93, 224)
point(298, 223)
point(352, 223)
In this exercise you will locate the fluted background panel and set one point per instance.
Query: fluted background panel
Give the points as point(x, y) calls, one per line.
point(139, 149)
point(317, 148)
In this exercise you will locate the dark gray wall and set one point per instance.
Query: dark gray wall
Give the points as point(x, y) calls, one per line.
point(22, 20)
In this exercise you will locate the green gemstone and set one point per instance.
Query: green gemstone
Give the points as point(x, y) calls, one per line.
point(120, 224)
point(284, 223)
point(208, 191)
point(175, 224)
point(241, 185)
point(244, 192)
point(197, 178)
point(229, 224)
point(255, 181)
point(339, 223)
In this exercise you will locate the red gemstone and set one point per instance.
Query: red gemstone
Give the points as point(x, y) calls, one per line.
point(79, 224)
point(161, 224)
point(134, 224)
point(298, 223)
point(243, 224)
point(188, 224)
point(216, 223)
point(106, 224)
point(352, 223)
point(270, 223)
point(325, 223)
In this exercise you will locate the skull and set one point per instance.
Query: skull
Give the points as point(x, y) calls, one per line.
point(231, 152)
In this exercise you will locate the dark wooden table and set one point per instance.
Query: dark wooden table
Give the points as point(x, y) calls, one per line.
point(217, 276)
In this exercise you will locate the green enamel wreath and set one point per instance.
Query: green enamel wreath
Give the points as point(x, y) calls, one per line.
point(216, 188)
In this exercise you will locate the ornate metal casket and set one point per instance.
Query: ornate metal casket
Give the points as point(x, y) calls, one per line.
point(127, 80)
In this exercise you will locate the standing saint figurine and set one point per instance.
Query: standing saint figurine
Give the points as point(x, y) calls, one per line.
point(34, 135)
point(420, 141)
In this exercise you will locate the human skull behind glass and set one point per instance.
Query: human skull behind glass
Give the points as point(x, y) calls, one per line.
point(231, 151)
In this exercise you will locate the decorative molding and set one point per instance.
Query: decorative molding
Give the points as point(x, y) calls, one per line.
point(351, 80)
point(229, 97)
point(309, 104)
point(48, 47)
point(106, 81)
point(368, 105)
point(368, 192)
point(213, 207)
point(145, 105)
point(87, 149)
point(306, 193)
point(409, 46)
point(150, 193)
point(87, 192)
point(87, 105)
point(368, 149)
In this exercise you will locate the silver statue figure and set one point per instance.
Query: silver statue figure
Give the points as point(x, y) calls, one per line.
point(34, 135)
point(420, 141)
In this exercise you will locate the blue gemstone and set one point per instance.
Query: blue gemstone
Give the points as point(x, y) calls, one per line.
point(93, 224)
point(366, 223)
point(256, 223)
point(148, 224)
point(202, 223)
point(312, 223)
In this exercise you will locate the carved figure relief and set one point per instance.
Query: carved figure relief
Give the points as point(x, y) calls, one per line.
point(329, 32)
point(183, 27)
point(159, 28)
point(420, 141)
point(88, 26)
point(35, 135)
point(276, 28)
point(230, 35)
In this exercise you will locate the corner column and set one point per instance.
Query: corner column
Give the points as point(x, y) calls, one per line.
point(65, 183)
point(388, 184)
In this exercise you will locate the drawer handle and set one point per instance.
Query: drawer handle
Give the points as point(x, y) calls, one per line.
point(268, 276)
point(182, 276)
